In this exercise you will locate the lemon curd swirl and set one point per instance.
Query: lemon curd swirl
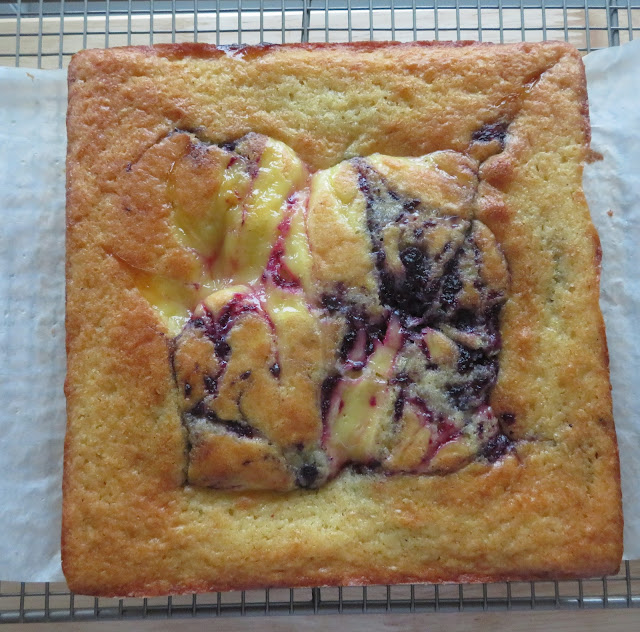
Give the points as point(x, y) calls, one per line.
point(343, 318)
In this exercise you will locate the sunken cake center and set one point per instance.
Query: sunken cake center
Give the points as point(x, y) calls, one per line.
point(347, 318)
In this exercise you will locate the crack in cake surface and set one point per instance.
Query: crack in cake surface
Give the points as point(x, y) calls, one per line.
point(346, 318)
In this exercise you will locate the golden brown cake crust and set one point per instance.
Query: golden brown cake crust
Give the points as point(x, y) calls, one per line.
point(549, 508)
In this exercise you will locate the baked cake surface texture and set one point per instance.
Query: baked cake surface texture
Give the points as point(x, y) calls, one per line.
point(332, 317)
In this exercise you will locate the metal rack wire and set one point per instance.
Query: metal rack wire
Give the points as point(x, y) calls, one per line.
point(21, 602)
point(46, 33)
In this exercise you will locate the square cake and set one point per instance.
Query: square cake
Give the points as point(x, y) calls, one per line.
point(332, 318)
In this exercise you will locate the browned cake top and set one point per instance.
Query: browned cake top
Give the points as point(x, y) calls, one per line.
point(333, 317)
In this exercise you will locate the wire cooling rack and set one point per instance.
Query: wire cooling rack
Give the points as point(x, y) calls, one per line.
point(45, 34)
point(53, 602)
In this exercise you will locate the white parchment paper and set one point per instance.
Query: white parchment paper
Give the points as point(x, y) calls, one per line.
point(612, 187)
point(32, 357)
point(32, 354)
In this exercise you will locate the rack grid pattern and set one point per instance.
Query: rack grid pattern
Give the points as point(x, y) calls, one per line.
point(46, 33)
point(21, 602)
